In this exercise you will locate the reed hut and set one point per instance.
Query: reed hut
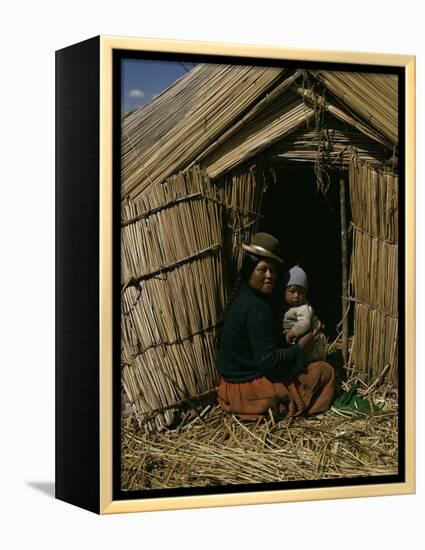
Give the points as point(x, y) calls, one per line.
point(221, 154)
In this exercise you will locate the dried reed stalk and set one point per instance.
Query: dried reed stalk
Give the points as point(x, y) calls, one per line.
point(280, 118)
point(344, 115)
point(374, 273)
point(174, 283)
point(242, 191)
point(374, 200)
point(211, 448)
point(373, 96)
point(173, 277)
point(225, 114)
point(174, 129)
point(375, 343)
point(338, 143)
point(374, 270)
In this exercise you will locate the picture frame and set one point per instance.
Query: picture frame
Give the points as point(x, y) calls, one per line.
point(93, 183)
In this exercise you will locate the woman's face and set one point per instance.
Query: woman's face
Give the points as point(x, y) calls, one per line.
point(263, 278)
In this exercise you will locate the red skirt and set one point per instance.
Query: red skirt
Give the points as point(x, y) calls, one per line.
point(310, 392)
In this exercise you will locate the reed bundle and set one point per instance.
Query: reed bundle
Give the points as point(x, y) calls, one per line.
point(374, 269)
point(175, 241)
point(337, 145)
point(258, 108)
point(375, 343)
point(373, 96)
point(167, 135)
point(242, 192)
point(341, 112)
point(374, 200)
point(210, 448)
point(174, 290)
point(164, 212)
point(280, 118)
point(374, 273)
point(224, 114)
point(166, 310)
point(165, 375)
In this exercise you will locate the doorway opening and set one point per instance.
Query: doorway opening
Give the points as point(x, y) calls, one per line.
point(308, 226)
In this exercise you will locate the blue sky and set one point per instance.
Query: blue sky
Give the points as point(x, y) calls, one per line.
point(142, 80)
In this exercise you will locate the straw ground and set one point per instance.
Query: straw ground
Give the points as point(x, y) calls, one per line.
point(211, 448)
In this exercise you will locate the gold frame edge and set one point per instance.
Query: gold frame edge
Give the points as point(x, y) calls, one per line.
point(410, 270)
point(105, 277)
point(106, 503)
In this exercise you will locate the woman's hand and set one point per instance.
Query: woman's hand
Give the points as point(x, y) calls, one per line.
point(306, 340)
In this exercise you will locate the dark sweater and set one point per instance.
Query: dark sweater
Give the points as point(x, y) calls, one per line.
point(249, 347)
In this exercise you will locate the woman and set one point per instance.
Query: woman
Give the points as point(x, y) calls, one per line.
point(256, 373)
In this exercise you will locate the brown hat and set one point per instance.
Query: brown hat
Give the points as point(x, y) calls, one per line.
point(264, 245)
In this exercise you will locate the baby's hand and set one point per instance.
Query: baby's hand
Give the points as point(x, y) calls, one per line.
point(290, 336)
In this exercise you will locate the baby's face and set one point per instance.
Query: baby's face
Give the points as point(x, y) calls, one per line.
point(295, 295)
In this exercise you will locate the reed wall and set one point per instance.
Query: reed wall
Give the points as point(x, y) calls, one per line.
point(374, 271)
point(178, 239)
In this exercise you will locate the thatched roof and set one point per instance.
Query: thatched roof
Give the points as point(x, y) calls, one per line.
point(222, 115)
point(177, 126)
point(371, 97)
point(336, 144)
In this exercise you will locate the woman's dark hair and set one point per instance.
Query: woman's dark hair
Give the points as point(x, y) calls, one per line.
point(249, 263)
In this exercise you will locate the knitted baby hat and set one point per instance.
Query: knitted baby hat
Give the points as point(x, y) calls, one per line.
point(297, 276)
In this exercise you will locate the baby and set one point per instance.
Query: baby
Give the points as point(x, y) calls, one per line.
point(300, 318)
